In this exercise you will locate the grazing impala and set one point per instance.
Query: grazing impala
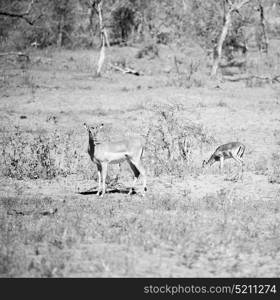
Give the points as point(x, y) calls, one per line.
point(104, 153)
point(233, 150)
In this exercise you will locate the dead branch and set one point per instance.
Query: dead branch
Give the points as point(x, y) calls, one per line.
point(23, 15)
point(238, 5)
point(14, 212)
point(126, 70)
point(13, 53)
point(271, 79)
point(49, 212)
point(20, 54)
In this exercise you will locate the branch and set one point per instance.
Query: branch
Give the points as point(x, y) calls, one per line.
point(17, 54)
point(94, 4)
point(272, 79)
point(23, 15)
point(238, 5)
point(126, 70)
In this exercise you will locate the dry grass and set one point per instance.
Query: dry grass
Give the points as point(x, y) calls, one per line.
point(221, 234)
point(192, 223)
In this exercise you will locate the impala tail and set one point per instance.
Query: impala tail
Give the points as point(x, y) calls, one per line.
point(241, 151)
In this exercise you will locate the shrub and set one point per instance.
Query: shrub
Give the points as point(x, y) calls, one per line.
point(188, 74)
point(150, 50)
point(40, 155)
point(171, 141)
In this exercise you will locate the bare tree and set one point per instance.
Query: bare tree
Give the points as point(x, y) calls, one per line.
point(61, 22)
point(97, 5)
point(91, 7)
point(265, 43)
point(22, 15)
point(232, 6)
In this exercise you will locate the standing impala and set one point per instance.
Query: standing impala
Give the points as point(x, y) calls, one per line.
point(104, 153)
point(233, 150)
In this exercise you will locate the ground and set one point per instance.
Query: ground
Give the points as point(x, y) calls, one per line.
point(198, 223)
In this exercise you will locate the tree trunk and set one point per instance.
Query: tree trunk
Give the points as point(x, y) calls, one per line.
point(60, 31)
point(219, 47)
point(91, 23)
point(261, 10)
point(104, 39)
point(217, 53)
point(101, 57)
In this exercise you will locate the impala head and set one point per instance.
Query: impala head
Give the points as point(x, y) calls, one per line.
point(204, 163)
point(209, 162)
point(93, 130)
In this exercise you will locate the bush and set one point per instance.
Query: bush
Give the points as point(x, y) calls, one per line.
point(171, 141)
point(29, 155)
point(188, 74)
point(150, 50)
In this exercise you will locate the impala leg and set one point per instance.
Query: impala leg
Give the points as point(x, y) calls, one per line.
point(141, 170)
point(221, 164)
point(240, 161)
point(133, 185)
point(119, 172)
point(99, 170)
point(104, 175)
point(143, 173)
point(136, 174)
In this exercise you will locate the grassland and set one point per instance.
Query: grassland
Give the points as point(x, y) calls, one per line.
point(192, 222)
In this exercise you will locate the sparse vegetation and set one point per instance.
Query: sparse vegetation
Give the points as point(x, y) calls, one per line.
point(192, 222)
point(187, 216)
point(25, 155)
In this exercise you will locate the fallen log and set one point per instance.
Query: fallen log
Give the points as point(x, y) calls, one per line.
point(126, 70)
point(15, 212)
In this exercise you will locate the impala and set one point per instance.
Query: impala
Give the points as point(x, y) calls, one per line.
point(233, 150)
point(104, 153)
